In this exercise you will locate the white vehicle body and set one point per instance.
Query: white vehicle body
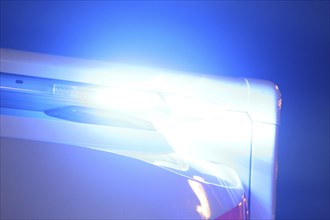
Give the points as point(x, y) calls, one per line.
point(230, 122)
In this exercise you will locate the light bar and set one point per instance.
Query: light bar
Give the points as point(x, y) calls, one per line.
point(88, 103)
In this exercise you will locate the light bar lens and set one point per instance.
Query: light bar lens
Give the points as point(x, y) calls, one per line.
point(53, 96)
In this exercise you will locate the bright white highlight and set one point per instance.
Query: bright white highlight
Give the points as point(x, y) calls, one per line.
point(188, 107)
point(204, 208)
point(127, 100)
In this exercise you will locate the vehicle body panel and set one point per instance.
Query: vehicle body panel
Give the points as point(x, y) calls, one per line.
point(216, 135)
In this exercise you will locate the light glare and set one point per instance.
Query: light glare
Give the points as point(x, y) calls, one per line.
point(128, 100)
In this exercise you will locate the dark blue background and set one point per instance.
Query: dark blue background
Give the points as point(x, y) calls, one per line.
point(286, 42)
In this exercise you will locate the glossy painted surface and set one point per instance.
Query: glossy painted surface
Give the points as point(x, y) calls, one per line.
point(45, 180)
point(240, 212)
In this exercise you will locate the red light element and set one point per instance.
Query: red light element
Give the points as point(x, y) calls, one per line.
point(239, 212)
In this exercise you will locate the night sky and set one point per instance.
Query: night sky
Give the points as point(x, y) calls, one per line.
point(286, 42)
